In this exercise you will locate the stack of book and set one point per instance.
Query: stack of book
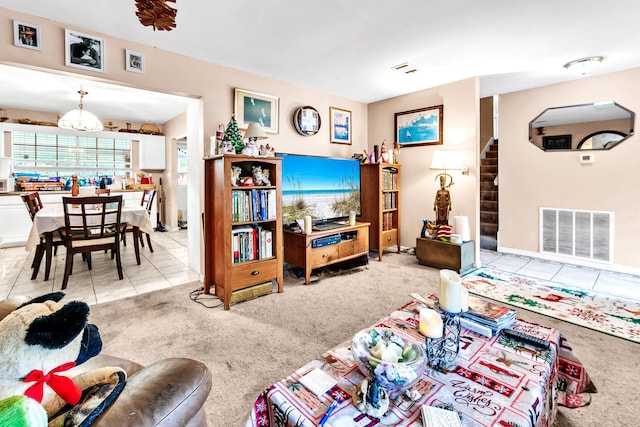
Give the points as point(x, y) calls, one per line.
point(487, 318)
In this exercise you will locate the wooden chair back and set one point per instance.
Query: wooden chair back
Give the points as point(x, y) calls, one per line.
point(103, 192)
point(92, 219)
point(32, 202)
point(147, 199)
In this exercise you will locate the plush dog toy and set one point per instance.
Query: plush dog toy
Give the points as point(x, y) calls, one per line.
point(43, 345)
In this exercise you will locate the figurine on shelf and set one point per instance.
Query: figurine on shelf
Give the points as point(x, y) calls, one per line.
point(260, 176)
point(395, 152)
point(385, 155)
point(226, 147)
point(235, 175)
point(250, 148)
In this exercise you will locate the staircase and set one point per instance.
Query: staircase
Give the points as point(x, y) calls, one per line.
point(489, 197)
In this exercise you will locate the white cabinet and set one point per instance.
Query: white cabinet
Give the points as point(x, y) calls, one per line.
point(151, 153)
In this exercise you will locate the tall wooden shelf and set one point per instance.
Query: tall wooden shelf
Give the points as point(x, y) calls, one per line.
point(380, 197)
point(237, 223)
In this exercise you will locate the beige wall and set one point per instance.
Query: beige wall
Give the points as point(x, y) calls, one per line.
point(531, 178)
point(212, 84)
point(461, 120)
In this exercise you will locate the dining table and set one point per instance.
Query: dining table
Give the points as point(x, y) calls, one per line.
point(51, 218)
point(494, 381)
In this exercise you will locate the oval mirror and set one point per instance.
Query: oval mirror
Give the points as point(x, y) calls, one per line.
point(596, 126)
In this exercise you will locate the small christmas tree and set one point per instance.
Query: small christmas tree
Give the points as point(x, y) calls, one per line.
point(232, 134)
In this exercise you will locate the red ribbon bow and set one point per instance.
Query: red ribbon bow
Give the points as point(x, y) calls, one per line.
point(63, 386)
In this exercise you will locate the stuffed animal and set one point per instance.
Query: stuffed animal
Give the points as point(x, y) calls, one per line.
point(44, 345)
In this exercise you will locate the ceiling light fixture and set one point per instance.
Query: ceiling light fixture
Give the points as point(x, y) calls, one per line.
point(584, 65)
point(80, 119)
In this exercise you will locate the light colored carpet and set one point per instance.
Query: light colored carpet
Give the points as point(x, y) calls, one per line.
point(260, 341)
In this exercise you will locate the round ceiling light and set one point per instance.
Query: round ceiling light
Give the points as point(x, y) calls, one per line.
point(584, 65)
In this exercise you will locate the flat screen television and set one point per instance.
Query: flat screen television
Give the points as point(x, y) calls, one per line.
point(326, 188)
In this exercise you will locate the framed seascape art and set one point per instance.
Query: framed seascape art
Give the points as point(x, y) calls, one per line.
point(26, 35)
point(256, 107)
point(419, 127)
point(83, 51)
point(134, 61)
point(340, 125)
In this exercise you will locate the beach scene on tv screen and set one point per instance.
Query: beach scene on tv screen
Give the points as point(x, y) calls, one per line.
point(324, 188)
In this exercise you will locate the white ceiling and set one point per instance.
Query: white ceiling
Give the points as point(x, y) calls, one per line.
point(349, 48)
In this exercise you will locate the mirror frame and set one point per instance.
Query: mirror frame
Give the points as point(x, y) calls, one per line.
point(585, 120)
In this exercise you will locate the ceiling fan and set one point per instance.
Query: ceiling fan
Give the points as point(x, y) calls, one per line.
point(157, 14)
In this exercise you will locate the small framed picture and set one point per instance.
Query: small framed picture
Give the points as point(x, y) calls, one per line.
point(26, 35)
point(134, 61)
point(340, 125)
point(83, 51)
point(256, 107)
point(419, 127)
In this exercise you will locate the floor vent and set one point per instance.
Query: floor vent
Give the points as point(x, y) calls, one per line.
point(579, 234)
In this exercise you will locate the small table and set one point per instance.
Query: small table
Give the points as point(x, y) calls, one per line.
point(496, 381)
point(51, 217)
point(438, 254)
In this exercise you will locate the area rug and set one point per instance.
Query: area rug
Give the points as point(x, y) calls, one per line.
point(610, 315)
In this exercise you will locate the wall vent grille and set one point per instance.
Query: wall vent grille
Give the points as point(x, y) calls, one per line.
point(575, 233)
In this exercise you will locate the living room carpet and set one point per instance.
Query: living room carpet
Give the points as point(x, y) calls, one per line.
point(608, 314)
point(260, 341)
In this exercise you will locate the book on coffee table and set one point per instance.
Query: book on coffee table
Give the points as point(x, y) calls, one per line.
point(318, 381)
point(439, 417)
point(492, 315)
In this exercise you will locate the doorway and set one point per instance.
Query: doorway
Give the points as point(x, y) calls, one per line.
point(181, 184)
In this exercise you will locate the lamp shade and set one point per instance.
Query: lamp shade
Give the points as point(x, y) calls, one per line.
point(255, 131)
point(80, 120)
point(446, 160)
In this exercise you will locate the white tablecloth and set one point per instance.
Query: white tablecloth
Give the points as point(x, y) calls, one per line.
point(50, 218)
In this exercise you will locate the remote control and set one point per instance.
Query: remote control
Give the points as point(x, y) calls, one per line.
point(529, 339)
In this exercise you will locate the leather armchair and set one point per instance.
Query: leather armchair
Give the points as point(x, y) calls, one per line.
point(167, 393)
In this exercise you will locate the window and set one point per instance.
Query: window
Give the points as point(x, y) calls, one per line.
point(62, 154)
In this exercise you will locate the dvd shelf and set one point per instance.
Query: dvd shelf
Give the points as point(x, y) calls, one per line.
point(380, 196)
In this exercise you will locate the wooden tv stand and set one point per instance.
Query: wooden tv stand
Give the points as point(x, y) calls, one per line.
point(299, 250)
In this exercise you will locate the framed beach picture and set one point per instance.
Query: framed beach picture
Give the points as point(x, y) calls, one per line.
point(419, 127)
point(134, 61)
point(340, 125)
point(26, 35)
point(254, 107)
point(83, 51)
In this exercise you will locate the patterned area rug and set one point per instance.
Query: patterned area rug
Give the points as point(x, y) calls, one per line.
point(599, 312)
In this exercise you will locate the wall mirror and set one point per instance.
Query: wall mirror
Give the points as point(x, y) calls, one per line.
point(595, 126)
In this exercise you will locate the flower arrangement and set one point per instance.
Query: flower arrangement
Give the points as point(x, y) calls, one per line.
point(396, 361)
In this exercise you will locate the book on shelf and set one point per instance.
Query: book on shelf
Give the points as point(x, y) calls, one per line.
point(489, 314)
point(251, 243)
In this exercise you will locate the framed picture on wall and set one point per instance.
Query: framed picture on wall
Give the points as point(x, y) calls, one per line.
point(419, 127)
point(340, 125)
point(26, 35)
point(134, 61)
point(254, 107)
point(83, 51)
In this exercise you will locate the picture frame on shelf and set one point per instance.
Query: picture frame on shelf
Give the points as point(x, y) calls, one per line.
point(254, 107)
point(27, 35)
point(422, 126)
point(83, 51)
point(340, 125)
point(134, 61)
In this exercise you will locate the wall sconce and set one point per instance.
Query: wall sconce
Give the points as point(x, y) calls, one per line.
point(444, 160)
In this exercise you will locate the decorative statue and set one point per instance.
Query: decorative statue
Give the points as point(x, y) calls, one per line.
point(385, 155)
point(260, 176)
point(235, 175)
point(442, 202)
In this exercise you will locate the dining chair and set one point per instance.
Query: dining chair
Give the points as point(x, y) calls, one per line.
point(34, 204)
point(91, 224)
point(103, 192)
point(147, 201)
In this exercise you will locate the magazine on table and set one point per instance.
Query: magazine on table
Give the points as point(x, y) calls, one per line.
point(489, 314)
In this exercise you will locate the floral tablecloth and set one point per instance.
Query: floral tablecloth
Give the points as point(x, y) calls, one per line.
point(498, 381)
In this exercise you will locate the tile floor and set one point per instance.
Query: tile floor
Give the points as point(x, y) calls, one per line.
point(601, 281)
point(165, 267)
